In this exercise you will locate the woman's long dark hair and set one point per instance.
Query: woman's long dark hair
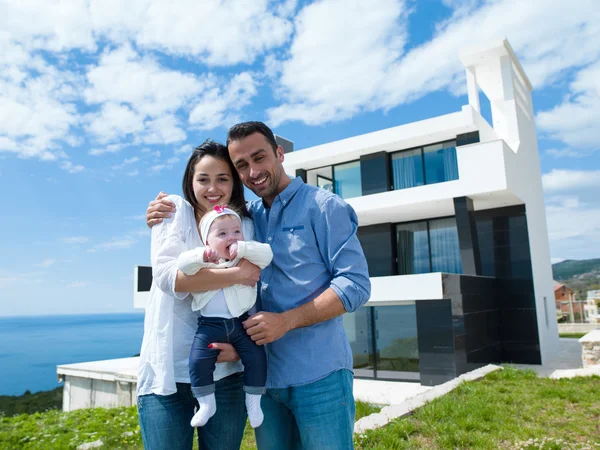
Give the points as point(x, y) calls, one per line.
point(219, 151)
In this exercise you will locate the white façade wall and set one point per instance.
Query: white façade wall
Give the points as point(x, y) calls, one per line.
point(498, 72)
point(403, 288)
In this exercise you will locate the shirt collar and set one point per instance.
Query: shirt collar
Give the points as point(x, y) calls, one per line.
point(286, 195)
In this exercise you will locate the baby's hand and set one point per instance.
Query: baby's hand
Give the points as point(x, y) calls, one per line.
point(210, 255)
point(233, 250)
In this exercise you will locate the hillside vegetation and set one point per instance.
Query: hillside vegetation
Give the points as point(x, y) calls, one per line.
point(579, 275)
point(29, 403)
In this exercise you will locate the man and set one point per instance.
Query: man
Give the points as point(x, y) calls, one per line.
point(318, 273)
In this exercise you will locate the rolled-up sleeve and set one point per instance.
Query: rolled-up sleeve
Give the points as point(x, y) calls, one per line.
point(168, 242)
point(342, 252)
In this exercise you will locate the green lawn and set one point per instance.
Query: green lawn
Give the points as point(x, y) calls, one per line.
point(117, 428)
point(508, 409)
point(572, 335)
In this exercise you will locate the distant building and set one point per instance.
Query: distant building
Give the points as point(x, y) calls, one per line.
point(564, 298)
point(592, 307)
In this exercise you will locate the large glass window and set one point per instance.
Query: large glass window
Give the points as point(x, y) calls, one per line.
point(396, 342)
point(413, 248)
point(384, 341)
point(428, 246)
point(445, 250)
point(407, 169)
point(322, 177)
point(440, 162)
point(358, 328)
point(431, 164)
point(347, 180)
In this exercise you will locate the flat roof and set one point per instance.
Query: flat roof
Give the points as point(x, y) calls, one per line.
point(122, 369)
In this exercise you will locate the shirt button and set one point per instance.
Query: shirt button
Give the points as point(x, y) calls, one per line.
point(292, 230)
point(284, 202)
point(264, 287)
point(270, 238)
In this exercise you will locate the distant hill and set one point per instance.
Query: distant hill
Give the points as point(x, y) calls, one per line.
point(579, 275)
point(570, 268)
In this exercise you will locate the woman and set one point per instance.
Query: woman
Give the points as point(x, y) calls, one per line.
point(165, 402)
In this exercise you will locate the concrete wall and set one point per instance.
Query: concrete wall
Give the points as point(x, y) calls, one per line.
point(79, 393)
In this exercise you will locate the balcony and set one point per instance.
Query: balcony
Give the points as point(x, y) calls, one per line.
point(385, 177)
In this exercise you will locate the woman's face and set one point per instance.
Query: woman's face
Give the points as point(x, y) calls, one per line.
point(212, 183)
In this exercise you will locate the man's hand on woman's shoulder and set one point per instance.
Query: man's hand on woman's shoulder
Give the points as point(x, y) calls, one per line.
point(159, 209)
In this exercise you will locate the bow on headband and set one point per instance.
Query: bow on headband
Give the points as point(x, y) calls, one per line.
point(220, 208)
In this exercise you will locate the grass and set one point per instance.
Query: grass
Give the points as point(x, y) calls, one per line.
point(508, 409)
point(117, 428)
point(572, 335)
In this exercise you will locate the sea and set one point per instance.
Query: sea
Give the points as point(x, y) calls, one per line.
point(32, 347)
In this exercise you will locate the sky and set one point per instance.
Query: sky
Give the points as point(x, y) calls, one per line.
point(101, 102)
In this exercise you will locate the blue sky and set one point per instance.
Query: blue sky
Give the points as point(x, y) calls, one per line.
point(101, 102)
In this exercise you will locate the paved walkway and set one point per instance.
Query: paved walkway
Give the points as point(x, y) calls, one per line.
point(569, 357)
point(386, 392)
point(397, 392)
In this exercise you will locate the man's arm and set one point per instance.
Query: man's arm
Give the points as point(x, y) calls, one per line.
point(266, 327)
point(350, 286)
point(159, 209)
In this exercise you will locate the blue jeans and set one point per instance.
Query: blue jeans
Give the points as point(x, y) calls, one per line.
point(203, 359)
point(165, 419)
point(314, 416)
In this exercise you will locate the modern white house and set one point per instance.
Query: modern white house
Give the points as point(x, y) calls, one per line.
point(452, 222)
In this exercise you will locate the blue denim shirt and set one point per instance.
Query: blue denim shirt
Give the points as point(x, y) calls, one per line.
point(312, 233)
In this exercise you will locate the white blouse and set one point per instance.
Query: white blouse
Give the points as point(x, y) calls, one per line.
point(170, 324)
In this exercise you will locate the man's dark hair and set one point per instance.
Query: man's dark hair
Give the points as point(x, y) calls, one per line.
point(219, 151)
point(245, 129)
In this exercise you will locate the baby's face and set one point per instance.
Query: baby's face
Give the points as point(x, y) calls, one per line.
point(224, 232)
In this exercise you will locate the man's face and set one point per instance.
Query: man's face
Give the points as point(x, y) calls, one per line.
point(260, 168)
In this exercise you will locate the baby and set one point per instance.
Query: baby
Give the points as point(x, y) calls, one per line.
point(223, 311)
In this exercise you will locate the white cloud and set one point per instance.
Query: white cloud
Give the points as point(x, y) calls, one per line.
point(149, 88)
point(550, 38)
point(218, 32)
point(123, 242)
point(71, 168)
point(334, 70)
point(164, 130)
point(575, 120)
point(47, 262)
point(184, 150)
point(157, 168)
point(37, 114)
point(116, 244)
point(112, 148)
point(132, 173)
point(77, 285)
point(76, 240)
point(563, 180)
point(114, 122)
point(10, 279)
point(219, 105)
point(573, 227)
